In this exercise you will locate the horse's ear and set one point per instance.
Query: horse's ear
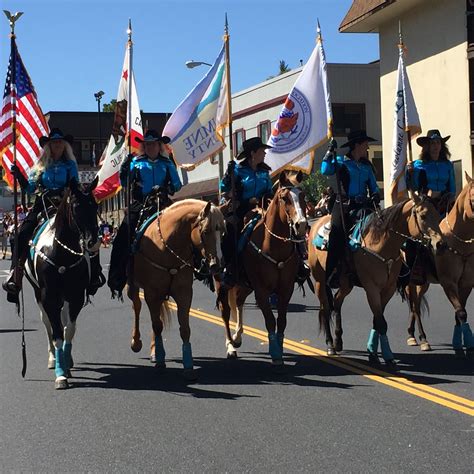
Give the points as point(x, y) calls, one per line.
point(468, 178)
point(283, 179)
point(205, 212)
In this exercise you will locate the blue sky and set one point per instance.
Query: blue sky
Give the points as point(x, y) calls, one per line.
point(73, 48)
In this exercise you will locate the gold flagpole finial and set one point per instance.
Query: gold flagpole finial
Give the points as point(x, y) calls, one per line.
point(12, 18)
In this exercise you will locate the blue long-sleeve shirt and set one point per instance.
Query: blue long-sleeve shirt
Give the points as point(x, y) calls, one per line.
point(361, 175)
point(148, 173)
point(249, 183)
point(437, 176)
point(55, 177)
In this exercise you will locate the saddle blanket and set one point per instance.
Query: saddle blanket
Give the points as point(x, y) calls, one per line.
point(141, 230)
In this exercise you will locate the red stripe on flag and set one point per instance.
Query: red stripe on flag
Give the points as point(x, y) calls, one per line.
point(107, 188)
point(20, 148)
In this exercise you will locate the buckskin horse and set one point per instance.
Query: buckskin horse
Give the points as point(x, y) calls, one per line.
point(377, 264)
point(58, 267)
point(455, 273)
point(270, 262)
point(163, 267)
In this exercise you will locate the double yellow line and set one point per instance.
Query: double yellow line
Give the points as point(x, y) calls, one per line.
point(427, 392)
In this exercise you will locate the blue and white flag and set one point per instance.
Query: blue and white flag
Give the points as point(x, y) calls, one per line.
point(196, 124)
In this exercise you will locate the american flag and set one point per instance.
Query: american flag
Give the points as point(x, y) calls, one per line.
point(30, 122)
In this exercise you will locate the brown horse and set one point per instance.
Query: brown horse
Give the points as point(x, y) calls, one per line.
point(163, 267)
point(377, 265)
point(455, 270)
point(270, 262)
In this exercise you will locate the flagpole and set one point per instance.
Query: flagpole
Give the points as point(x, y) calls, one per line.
point(129, 119)
point(12, 19)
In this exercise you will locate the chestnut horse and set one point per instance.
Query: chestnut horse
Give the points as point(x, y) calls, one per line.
point(455, 271)
point(163, 267)
point(377, 265)
point(270, 262)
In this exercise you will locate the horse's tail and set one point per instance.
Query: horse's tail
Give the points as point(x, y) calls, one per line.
point(322, 314)
point(165, 314)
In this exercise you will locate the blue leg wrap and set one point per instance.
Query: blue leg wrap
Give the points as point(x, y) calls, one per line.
point(276, 352)
point(281, 338)
point(159, 350)
point(457, 337)
point(387, 353)
point(373, 342)
point(67, 347)
point(59, 368)
point(187, 356)
point(467, 335)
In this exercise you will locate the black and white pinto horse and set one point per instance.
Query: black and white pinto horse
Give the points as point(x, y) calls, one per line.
point(58, 267)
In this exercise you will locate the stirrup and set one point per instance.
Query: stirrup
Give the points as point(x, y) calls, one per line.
point(9, 285)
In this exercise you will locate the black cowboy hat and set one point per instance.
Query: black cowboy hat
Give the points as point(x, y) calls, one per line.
point(153, 136)
point(252, 144)
point(431, 135)
point(56, 134)
point(357, 136)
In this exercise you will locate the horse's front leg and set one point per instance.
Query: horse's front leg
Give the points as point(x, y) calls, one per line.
point(155, 301)
point(49, 333)
point(419, 292)
point(241, 295)
point(69, 314)
point(464, 293)
point(133, 293)
point(224, 297)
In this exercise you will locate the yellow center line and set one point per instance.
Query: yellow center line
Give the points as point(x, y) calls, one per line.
point(440, 397)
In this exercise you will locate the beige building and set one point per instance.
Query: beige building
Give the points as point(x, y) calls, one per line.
point(439, 37)
point(355, 98)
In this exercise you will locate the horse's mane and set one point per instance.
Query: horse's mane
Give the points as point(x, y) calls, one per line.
point(381, 223)
point(215, 214)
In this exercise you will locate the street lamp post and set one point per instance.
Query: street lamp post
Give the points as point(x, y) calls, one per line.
point(192, 64)
point(98, 96)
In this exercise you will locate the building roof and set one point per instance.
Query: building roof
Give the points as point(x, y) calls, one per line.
point(361, 9)
point(198, 189)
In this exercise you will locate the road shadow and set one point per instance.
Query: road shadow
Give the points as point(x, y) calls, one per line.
point(215, 372)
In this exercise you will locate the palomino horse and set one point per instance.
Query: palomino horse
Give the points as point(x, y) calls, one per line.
point(163, 267)
point(455, 270)
point(58, 267)
point(270, 263)
point(377, 264)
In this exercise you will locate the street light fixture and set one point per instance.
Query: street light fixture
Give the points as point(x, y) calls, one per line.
point(98, 96)
point(192, 64)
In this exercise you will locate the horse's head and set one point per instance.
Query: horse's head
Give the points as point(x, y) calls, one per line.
point(83, 213)
point(469, 199)
point(292, 202)
point(206, 235)
point(424, 223)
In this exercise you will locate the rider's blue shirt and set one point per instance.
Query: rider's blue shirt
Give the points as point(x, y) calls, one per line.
point(55, 177)
point(361, 175)
point(148, 173)
point(249, 183)
point(439, 175)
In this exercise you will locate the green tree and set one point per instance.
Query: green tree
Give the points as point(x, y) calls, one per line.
point(283, 67)
point(109, 107)
point(313, 186)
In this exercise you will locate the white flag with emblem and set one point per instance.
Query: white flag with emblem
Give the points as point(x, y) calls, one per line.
point(305, 121)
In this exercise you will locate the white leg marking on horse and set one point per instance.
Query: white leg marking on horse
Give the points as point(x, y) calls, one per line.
point(300, 218)
point(69, 326)
point(239, 326)
point(49, 333)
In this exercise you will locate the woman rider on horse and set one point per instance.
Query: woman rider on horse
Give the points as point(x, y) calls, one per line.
point(150, 173)
point(432, 174)
point(55, 168)
point(360, 191)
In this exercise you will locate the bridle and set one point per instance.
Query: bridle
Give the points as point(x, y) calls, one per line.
point(470, 199)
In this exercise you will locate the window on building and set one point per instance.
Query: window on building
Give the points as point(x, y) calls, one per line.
point(239, 137)
point(347, 118)
point(215, 158)
point(377, 161)
point(264, 130)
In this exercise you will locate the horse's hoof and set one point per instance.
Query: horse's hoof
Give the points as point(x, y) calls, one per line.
point(459, 354)
point(68, 374)
point(136, 345)
point(236, 344)
point(61, 384)
point(51, 363)
point(277, 362)
point(331, 351)
point(425, 346)
point(470, 353)
point(153, 358)
point(391, 364)
point(374, 358)
point(232, 355)
point(278, 368)
point(160, 365)
point(411, 341)
point(190, 375)
point(338, 346)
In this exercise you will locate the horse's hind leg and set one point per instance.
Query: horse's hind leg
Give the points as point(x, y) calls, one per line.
point(466, 330)
point(183, 303)
point(133, 294)
point(339, 298)
point(49, 332)
point(241, 295)
point(275, 349)
point(414, 315)
point(325, 315)
point(420, 291)
point(225, 309)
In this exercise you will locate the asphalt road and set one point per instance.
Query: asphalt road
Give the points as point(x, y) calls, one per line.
point(338, 414)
